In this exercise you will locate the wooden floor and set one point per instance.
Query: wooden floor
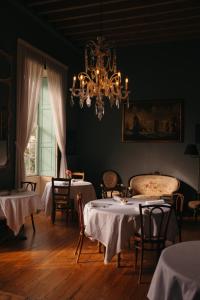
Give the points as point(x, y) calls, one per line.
point(43, 266)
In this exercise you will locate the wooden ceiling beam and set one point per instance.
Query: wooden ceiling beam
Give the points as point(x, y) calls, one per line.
point(122, 27)
point(115, 11)
point(147, 32)
point(51, 6)
point(121, 21)
point(113, 23)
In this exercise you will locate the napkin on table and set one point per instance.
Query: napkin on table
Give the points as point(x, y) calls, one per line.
point(117, 198)
point(150, 202)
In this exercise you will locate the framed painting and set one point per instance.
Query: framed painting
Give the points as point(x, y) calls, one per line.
point(153, 121)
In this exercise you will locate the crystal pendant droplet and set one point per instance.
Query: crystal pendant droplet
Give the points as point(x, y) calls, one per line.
point(117, 102)
point(81, 103)
point(72, 101)
point(88, 101)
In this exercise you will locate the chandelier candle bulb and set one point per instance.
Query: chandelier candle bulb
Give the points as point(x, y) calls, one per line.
point(126, 83)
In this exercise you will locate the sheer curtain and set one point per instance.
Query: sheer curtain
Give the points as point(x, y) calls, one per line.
point(29, 72)
point(57, 91)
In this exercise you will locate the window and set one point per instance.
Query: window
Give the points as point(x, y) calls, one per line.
point(41, 152)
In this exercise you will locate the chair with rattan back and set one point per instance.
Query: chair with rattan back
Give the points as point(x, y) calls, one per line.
point(30, 186)
point(152, 236)
point(111, 184)
point(61, 197)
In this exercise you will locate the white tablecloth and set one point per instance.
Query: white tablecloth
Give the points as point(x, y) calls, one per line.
point(113, 223)
point(86, 188)
point(17, 206)
point(177, 275)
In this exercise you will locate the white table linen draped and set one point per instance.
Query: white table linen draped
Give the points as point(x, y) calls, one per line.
point(113, 223)
point(177, 273)
point(86, 188)
point(16, 206)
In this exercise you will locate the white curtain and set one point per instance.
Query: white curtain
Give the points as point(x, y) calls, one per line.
point(57, 91)
point(29, 72)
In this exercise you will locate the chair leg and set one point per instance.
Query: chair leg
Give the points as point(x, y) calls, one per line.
point(99, 246)
point(195, 214)
point(77, 247)
point(80, 248)
point(136, 257)
point(33, 224)
point(180, 235)
point(141, 266)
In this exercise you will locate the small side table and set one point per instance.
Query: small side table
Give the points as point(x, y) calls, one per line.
point(195, 205)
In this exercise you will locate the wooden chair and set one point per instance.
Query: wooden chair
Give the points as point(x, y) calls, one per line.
point(178, 203)
point(147, 239)
point(78, 175)
point(29, 186)
point(61, 197)
point(195, 206)
point(82, 228)
point(111, 184)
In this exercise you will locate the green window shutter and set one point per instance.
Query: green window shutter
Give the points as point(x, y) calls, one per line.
point(46, 139)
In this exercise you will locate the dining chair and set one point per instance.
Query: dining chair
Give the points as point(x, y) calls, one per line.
point(61, 198)
point(81, 226)
point(111, 184)
point(30, 186)
point(195, 206)
point(82, 235)
point(78, 175)
point(178, 203)
point(152, 235)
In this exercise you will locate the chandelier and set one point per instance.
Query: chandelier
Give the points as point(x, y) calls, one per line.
point(101, 80)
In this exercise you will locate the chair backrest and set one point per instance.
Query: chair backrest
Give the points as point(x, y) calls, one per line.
point(78, 175)
point(154, 221)
point(80, 212)
point(110, 183)
point(29, 185)
point(61, 189)
point(178, 203)
point(110, 179)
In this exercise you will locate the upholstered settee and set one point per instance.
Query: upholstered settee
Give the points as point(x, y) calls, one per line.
point(152, 186)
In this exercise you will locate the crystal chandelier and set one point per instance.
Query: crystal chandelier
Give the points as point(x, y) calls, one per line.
point(101, 80)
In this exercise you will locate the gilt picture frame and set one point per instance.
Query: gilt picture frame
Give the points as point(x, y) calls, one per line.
point(153, 121)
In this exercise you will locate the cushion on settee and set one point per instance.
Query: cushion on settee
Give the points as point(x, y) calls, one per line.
point(153, 185)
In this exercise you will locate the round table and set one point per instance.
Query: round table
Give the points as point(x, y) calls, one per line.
point(177, 275)
point(17, 205)
point(77, 186)
point(113, 223)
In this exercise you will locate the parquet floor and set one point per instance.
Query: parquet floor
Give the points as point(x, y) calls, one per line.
point(43, 266)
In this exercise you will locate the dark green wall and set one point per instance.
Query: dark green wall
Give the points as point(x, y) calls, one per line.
point(165, 71)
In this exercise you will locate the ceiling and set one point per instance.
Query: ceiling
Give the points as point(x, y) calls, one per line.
point(122, 22)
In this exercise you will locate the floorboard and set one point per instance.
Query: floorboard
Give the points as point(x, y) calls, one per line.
point(43, 266)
